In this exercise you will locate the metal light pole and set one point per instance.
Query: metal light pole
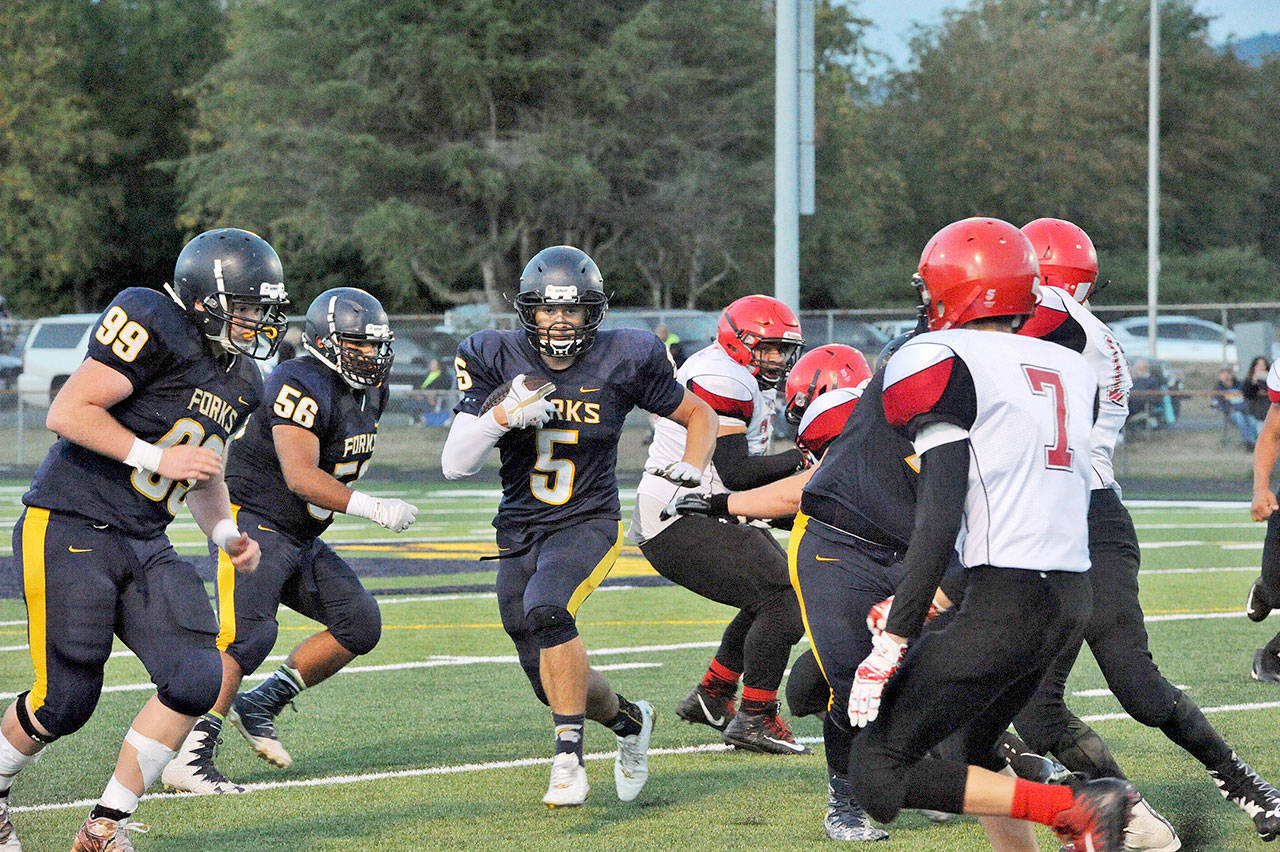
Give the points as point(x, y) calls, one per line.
point(1153, 177)
point(792, 143)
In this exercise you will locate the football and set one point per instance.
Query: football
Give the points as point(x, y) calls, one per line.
point(531, 383)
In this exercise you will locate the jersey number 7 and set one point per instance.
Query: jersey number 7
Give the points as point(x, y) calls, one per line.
point(1048, 383)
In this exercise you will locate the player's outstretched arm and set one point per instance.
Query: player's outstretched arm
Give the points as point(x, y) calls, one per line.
point(1265, 452)
point(700, 422)
point(469, 442)
point(80, 413)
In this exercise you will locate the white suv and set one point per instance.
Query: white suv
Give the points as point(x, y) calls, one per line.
point(54, 348)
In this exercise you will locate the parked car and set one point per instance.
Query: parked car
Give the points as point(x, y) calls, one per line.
point(895, 327)
point(54, 348)
point(821, 329)
point(1178, 338)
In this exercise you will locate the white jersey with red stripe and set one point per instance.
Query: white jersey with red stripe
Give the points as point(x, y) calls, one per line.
point(824, 419)
point(734, 394)
point(1273, 383)
point(1025, 407)
point(1061, 319)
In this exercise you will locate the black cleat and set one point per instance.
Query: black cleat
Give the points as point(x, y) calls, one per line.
point(1266, 666)
point(1040, 769)
point(763, 732)
point(1249, 792)
point(1099, 815)
point(1257, 607)
point(703, 707)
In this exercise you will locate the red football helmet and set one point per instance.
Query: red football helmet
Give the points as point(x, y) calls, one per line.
point(1067, 257)
point(752, 321)
point(977, 268)
point(818, 371)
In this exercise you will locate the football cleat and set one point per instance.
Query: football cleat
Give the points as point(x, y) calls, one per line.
point(1038, 768)
point(1148, 831)
point(846, 820)
point(1245, 789)
point(1098, 817)
point(568, 787)
point(8, 834)
point(253, 715)
point(702, 707)
point(193, 770)
point(631, 766)
point(763, 732)
point(1266, 666)
point(1257, 607)
point(936, 816)
point(106, 835)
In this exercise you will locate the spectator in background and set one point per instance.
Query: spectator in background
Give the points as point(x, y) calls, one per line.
point(1228, 397)
point(431, 407)
point(1254, 389)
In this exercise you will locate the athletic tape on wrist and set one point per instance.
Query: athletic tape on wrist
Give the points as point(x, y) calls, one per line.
point(144, 456)
point(224, 532)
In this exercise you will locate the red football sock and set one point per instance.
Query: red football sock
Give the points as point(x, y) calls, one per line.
point(1039, 802)
point(719, 678)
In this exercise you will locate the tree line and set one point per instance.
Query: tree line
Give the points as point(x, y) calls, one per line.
point(424, 150)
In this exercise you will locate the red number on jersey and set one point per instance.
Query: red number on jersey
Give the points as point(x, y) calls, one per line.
point(1048, 383)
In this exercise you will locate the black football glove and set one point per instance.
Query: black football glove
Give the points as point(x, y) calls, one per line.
point(707, 505)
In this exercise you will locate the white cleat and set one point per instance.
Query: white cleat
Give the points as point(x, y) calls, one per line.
point(1148, 831)
point(631, 766)
point(192, 770)
point(261, 736)
point(568, 787)
point(8, 834)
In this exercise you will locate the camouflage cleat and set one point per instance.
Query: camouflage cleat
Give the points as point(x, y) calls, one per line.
point(631, 766)
point(253, 715)
point(1251, 793)
point(107, 835)
point(193, 770)
point(846, 820)
point(763, 732)
point(1098, 817)
point(8, 834)
point(703, 707)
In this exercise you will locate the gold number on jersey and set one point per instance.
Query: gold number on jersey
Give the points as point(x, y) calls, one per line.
point(464, 378)
point(161, 489)
point(125, 337)
point(344, 472)
point(554, 484)
point(292, 405)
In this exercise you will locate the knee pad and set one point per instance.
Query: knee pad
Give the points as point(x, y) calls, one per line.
point(194, 689)
point(551, 626)
point(1085, 753)
point(360, 631)
point(254, 641)
point(28, 725)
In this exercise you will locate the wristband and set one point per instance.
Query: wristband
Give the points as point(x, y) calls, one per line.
point(362, 505)
point(224, 532)
point(718, 504)
point(144, 456)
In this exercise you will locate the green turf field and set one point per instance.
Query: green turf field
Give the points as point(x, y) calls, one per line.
point(434, 741)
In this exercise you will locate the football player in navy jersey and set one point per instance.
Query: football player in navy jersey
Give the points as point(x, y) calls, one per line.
point(142, 425)
point(741, 565)
point(557, 392)
point(287, 475)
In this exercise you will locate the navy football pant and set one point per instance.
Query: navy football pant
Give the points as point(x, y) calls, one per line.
point(85, 583)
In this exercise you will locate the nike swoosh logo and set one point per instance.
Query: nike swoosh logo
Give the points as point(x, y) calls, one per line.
point(266, 529)
point(796, 747)
point(587, 390)
point(827, 558)
point(79, 549)
point(243, 401)
point(717, 721)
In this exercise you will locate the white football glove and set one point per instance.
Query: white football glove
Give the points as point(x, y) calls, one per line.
point(873, 673)
point(681, 473)
point(390, 512)
point(526, 407)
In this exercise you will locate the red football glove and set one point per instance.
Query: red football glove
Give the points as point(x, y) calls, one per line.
point(873, 673)
point(878, 616)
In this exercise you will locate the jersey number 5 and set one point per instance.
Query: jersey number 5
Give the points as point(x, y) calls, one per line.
point(552, 481)
point(1048, 383)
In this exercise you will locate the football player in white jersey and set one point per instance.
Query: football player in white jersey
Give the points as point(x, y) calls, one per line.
point(1264, 595)
point(1001, 425)
point(1115, 631)
point(757, 341)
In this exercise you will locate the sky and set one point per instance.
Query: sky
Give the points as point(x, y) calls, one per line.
point(892, 20)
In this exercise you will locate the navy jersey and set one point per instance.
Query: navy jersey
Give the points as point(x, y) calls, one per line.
point(866, 483)
point(182, 394)
point(566, 470)
point(303, 392)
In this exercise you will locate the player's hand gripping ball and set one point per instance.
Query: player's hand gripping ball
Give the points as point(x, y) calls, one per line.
point(524, 399)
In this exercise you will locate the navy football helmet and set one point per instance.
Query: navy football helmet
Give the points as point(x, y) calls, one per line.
point(561, 275)
point(236, 279)
point(341, 324)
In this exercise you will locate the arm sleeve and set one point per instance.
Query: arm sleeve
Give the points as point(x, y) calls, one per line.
point(944, 481)
point(739, 470)
point(469, 442)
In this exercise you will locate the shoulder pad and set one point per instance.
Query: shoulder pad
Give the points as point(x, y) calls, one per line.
point(915, 378)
